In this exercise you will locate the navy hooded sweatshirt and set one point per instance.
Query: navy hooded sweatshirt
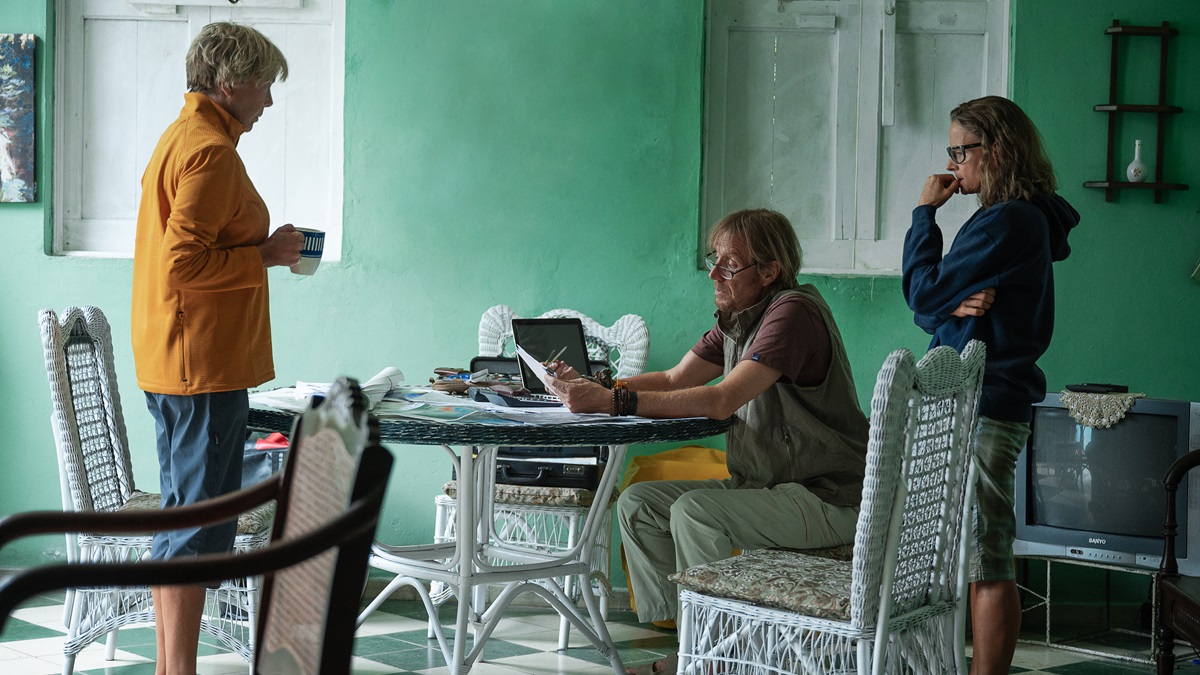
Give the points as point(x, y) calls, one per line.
point(1010, 247)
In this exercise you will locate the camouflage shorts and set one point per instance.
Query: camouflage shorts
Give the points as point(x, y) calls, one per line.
point(997, 445)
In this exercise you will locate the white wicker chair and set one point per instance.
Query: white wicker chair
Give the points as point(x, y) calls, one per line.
point(624, 344)
point(552, 518)
point(898, 606)
point(96, 475)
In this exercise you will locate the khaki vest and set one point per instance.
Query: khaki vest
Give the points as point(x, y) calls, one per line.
point(814, 436)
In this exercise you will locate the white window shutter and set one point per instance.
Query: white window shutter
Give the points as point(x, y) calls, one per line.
point(121, 81)
point(794, 115)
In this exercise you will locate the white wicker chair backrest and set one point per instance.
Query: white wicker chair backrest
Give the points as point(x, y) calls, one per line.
point(89, 428)
point(623, 345)
point(918, 458)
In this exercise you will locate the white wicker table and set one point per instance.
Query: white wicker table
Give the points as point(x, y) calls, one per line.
point(469, 564)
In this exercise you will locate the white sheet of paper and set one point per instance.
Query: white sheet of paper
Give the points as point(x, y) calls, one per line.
point(377, 387)
point(536, 366)
point(287, 398)
point(374, 389)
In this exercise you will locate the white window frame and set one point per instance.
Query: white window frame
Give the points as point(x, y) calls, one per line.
point(862, 107)
point(74, 234)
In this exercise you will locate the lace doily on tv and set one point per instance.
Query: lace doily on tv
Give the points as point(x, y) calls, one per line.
point(1098, 410)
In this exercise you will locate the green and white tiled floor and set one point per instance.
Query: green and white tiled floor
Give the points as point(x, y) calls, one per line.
point(393, 641)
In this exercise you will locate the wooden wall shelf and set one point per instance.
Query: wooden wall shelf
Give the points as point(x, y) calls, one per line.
point(1127, 107)
point(1157, 31)
point(1121, 185)
point(1113, 108)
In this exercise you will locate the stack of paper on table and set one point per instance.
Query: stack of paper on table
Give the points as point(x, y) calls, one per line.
point(297, 399)
point(389, 397)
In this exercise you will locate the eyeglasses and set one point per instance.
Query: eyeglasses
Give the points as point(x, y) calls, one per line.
point(725, 272)
point(958, 153)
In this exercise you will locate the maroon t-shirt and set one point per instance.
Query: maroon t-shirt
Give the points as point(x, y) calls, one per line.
point(792, 339)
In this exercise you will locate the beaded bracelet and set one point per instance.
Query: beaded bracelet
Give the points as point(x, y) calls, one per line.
point(621, 395)
point(604, 378)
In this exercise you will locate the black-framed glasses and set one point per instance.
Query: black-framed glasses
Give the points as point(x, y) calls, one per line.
point(711, 261)
point(958, 153)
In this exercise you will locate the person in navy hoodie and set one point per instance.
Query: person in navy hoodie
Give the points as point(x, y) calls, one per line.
point(996, 285)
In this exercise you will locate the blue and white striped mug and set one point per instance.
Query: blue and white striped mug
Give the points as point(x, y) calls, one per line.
point(310, 255)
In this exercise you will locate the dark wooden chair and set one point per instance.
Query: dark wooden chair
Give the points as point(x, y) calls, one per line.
point(1177, 605)
point(328, 497)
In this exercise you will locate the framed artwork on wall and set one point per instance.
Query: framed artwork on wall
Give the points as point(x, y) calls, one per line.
point(18, 181)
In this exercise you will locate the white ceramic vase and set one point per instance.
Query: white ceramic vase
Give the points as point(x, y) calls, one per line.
point(1136, 171)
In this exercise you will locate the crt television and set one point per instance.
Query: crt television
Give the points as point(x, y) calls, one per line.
point(1097, 493)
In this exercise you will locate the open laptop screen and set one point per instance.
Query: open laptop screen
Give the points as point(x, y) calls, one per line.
point(543, 338)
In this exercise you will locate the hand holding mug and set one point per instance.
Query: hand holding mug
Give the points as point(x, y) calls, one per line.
point(282, 247)
point(310, 254)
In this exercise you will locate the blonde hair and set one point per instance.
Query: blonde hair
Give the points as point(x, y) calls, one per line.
point(768, 237)
point(1013, 164)
point(230, 55)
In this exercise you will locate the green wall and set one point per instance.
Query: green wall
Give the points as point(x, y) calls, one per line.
point(1127, 310)
point(477, 132)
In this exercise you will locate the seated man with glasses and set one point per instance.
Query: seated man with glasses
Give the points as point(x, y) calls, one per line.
point(797, 448)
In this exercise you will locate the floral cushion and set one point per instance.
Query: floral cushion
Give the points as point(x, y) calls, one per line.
point(257, 519)
point(141, 501)
point(844, 552)
point(810, 585)
point(254, 521)
point(536, 495)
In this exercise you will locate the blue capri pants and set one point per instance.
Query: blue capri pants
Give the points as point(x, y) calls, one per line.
point(201, 439)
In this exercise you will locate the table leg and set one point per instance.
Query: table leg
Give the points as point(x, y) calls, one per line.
point(476, 515)
point(592, 523)
point(564, 626)
point(486, 480)
point(466, 544)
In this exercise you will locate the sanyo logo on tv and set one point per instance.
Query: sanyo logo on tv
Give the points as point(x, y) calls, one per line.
point(1097, 540)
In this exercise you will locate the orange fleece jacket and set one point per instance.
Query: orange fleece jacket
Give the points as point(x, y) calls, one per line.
point(201, 321)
